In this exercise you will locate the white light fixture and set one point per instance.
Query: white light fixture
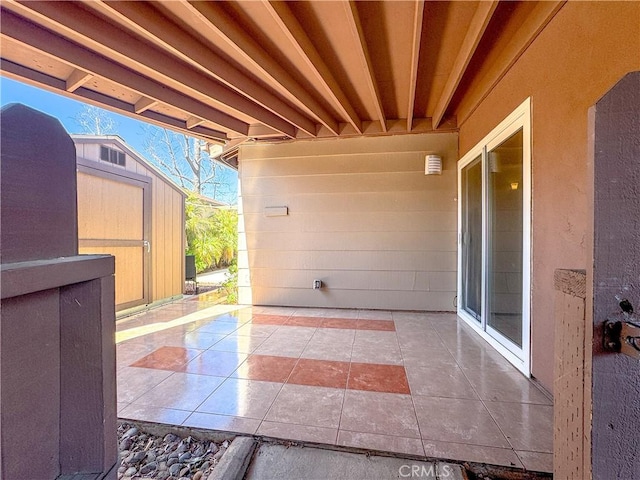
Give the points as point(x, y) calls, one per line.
point(433, 165)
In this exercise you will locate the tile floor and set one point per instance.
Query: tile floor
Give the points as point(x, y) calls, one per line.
point(413, 383)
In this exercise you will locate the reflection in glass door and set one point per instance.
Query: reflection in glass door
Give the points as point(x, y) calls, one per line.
point(505, 239)
point(471, 238)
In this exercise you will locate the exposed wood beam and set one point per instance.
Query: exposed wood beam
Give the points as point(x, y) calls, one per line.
point(415, 56)
point(476, 29)
point(47, 82)
point(147, 21)
point(72, 54)
point(211, 16)
point(351, 10)
point(507, 57)
point(296, 34)
point(77, 79)
point(145, 103)
point(194, 122)
point(260, 131)
point(108, 39)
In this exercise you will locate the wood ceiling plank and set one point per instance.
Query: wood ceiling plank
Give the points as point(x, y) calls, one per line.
point(212, 16)
point(415, 56)
point(148, 22)
point(72, 21)
point(42, 40)
point(471, 40)
point(297, 36)
point(351, 12)
point(144, 103)
point(55, 85)
point(77, 79)
point(193, 122)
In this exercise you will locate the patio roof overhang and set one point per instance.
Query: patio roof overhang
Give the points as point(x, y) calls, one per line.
point(270, 70)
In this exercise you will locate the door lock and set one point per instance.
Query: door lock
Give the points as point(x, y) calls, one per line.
point(623, 337)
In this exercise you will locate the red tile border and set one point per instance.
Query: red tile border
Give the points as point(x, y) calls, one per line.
point(266, 367)
point(320, 373)
point(350, 323)
point(259, 319)
point(378, 325)
point(375, 377)
point(304, 321)
point(167, 358)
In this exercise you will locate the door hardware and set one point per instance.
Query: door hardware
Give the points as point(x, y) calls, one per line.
point(623, 337)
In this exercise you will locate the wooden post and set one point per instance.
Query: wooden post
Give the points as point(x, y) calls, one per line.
point(57, 349)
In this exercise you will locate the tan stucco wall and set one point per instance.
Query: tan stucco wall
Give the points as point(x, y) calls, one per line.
point(363, 218)
point(581, 54)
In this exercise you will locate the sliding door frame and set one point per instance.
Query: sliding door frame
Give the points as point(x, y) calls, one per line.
point(520, 118)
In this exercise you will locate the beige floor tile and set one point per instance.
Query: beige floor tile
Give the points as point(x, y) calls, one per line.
point(440, 381)
point(457, 420)
point(241, 398)
point(528, 427)
point(222, 422)
point(154, 414)
point(302, 433)
point(380, 413)
point(471, 453)
point(180, 391)
point(495, 385)
point(385, 443)
point(134, 382)
point(306, 405)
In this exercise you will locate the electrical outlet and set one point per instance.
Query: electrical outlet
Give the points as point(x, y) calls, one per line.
point(317, 284)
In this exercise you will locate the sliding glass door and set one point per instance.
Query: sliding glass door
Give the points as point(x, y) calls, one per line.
point(494, 245)
point(471, 238)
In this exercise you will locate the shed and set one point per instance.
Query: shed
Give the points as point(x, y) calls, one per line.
point(128, 208)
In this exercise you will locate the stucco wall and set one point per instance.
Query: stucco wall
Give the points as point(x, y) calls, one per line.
point(362, 217)
point(581, 54)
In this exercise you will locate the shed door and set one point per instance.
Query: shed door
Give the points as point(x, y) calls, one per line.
point(112, 219)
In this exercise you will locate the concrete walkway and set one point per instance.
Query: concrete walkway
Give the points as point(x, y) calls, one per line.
point(249, 460)
point(217, 277)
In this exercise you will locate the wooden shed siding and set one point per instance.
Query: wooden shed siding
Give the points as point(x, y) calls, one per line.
point(167, 222)
point(362, 217)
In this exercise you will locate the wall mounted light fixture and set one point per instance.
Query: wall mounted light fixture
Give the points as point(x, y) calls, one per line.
point(433, 165)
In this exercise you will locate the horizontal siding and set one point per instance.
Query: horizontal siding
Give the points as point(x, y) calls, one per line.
point(362, 217)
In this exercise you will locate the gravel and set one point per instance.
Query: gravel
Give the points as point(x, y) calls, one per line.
point(172, 457)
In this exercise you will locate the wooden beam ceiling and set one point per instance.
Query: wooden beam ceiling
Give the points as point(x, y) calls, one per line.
point(476, 29)
point(415, 57)
point(273, 70)
point(362, 50)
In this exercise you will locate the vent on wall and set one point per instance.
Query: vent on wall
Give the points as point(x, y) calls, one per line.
point(112, 156)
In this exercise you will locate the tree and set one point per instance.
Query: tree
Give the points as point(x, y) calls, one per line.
point(96, 121)
point(187, 160)
point(211, 233)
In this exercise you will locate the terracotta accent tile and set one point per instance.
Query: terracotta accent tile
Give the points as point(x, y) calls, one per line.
point(211, 362)
point(378, 378)
point(320, 373)
point(339, 323)
point(167, 358)
point(304, 321)
point(260, 319)
point(380, 325)
point(266, 367)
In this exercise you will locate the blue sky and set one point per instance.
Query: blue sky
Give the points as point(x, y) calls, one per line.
point(66, 110)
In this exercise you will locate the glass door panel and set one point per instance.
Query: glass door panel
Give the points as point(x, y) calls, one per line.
point(471, 238)
point(504, 239)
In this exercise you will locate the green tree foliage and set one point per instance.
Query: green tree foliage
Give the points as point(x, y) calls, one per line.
point(211, 234)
